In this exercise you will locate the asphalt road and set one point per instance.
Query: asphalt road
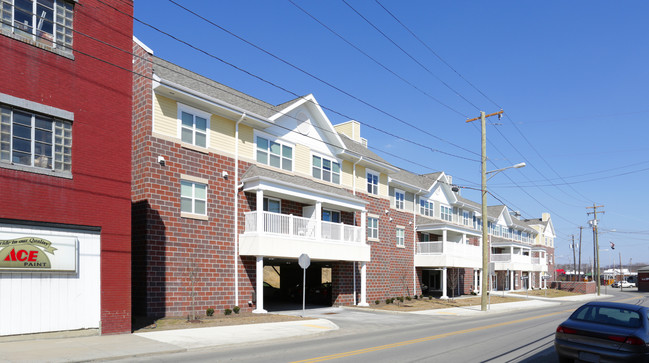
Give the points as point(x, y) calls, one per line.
point(517, 336)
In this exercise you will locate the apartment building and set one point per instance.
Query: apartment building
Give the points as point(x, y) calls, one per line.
point(65, 166)
point(227, 187)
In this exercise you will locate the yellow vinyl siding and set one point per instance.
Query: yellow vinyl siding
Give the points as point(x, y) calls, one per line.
point(222, 134)
point(166, 116)
point(246, 142)
point(347, 177)
point(302, 159)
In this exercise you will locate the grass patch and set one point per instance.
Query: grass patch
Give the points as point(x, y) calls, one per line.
point(425, 304)
point(546, 293)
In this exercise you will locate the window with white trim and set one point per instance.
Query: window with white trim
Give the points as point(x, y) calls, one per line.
point(330, 216)
point(272, 205)
point(193, 197)
point(372, 182)
point(47, 22)
point(194, 125)
point(399, 199)
point(274, 153)
point(401, 233)
point(426, 207)
point(372, 227)
point(35, 140)
point(326, 169)
point(466, 217)
point(446, 213)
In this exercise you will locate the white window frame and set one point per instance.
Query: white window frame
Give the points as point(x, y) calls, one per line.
point(59, 157)
point(445, 213)
point(401, 237)
point(399, 203)
point(332, 213)
point(193, 198)
point(426, 210)
point(62, 16)
point(466, 217)
point(321, 169)
point(282, 144)
point(373, 186)
point(372, 231)
point(268, 199)
point(194, 112)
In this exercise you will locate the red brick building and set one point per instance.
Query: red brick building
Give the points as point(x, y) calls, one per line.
point(65, 165)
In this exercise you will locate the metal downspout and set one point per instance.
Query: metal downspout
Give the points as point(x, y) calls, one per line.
point(236, 210)
point(354, 193)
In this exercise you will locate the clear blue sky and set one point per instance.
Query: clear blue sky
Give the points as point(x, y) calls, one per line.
point(571, 76)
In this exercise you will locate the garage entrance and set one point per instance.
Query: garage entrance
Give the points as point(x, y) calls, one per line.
point(283, 284)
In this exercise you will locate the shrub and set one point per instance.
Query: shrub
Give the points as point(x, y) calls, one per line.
point(421, 296)
point(416, 297)
point(388, 301)
point(209, 312)
point(227, 311)
point(236, 309)
point(377, 302)
point(400, 298)
point(391, 300)
point(430, 297)
point(409, 298)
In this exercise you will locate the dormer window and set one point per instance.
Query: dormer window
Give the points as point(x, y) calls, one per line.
point(426, 207)
point(326, 169)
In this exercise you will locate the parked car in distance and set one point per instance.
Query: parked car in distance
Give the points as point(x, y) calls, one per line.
point(604, 332)
point(623, 283)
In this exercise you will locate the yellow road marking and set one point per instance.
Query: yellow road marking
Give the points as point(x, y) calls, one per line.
point(425, 339)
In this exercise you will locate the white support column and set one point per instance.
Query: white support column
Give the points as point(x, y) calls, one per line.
point(475, 280)
point(364, 226)
point(444, 277)
point(463, 238)
point(260, 211)
point(363, 284)
point(444, 235)
point(511, 280)
point(318, 218)
point(260, 286)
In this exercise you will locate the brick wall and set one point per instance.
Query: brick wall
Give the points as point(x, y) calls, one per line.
point(99, 95)
point(575, 286)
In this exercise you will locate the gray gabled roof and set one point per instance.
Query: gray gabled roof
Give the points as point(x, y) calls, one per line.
point(419, 181)
point(194, 81)
point(469, 202)
point(358, 148)
point(298, 181)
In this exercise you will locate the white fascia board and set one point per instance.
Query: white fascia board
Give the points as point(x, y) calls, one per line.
point(464, 205)
point(408, 187)
point(442, 226)
point(139, 42)
point(368, 162)
point(324, 123)
point(291, 190)
point(211, 102)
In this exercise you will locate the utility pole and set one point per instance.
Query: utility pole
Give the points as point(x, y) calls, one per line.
point(596, 242)
point(621, 277)
point(485, 220)
point(574, 259)
point(580, 228)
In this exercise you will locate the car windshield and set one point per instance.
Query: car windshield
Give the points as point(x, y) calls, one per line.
point(608, 315)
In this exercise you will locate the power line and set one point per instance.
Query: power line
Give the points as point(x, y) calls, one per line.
point(376, 108)
point(409, 56)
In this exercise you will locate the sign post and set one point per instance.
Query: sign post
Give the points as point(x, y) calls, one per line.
point(304, 261)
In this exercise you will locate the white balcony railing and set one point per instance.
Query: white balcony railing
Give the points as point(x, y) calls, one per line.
point(300, 227)
point(506, 257)
point(449, 248)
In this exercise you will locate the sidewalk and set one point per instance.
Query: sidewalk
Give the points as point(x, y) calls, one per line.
point(92, 348)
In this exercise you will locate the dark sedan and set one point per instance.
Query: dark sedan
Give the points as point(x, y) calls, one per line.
point(604, 332)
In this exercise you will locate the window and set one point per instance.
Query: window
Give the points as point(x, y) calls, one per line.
point(193, 197)
point(330, 216)
point(426, 207)
point(401, 237)
point(272, 205)
point(425, 237)
point(466, 217)
point(399, 197)
point(372, 182)
point(446, 213)
point(372, 227)
point(35, 140)
point(193, 126)
point(326, 169)
point(47, 22)
point(275, 154)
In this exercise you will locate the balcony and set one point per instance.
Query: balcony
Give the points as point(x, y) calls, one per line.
point(507, 261)
point(448, 254)
point(284, 235)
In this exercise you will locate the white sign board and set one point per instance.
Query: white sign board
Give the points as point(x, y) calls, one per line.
point(37, 253)
point(304, 260)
